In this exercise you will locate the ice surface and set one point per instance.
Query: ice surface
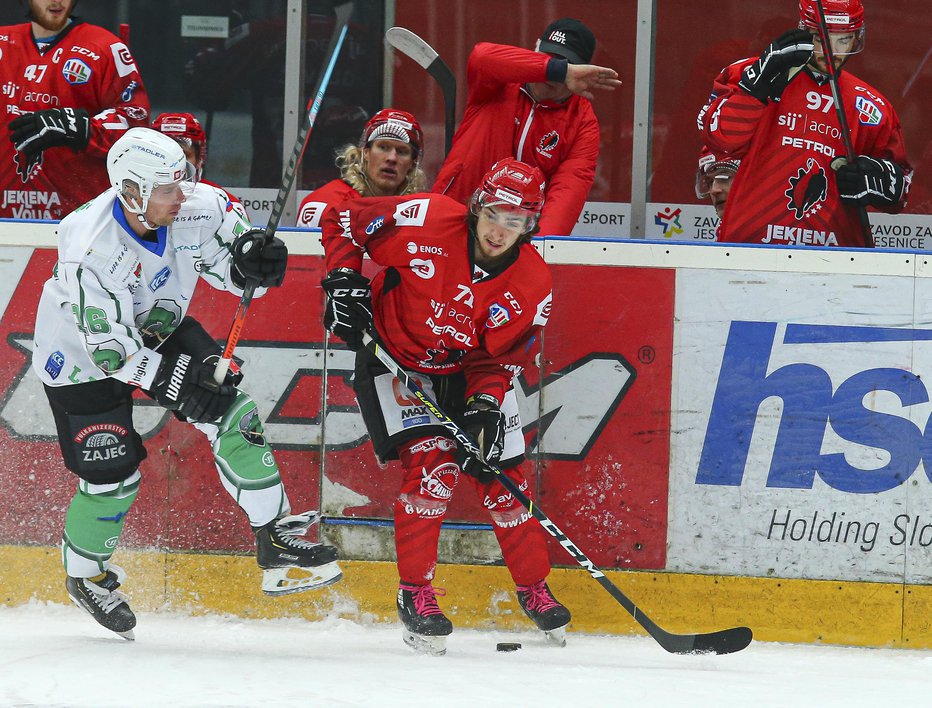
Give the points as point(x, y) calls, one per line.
point(55, 655)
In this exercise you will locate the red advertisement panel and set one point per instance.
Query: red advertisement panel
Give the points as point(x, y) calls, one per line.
point(596, 422)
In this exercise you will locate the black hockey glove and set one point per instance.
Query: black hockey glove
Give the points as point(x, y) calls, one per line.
point(349, 305)
point(188, 387)
point(870, 182)
point(34, 132)
point(258, 259)
point(768, 76)
point(484, 422)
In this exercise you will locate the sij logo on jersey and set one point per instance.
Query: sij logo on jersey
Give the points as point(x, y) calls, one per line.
point(807, 190)
point(122, 59)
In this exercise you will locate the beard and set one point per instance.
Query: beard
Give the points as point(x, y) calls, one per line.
point(48, 22)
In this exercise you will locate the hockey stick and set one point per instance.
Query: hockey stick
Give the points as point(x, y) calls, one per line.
point(826, 43)
point(412, 46)
point(724, 641)
point(343, 13)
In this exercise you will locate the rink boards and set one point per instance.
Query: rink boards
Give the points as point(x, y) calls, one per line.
point(744, 428)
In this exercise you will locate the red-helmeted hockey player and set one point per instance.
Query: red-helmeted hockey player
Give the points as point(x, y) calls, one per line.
point(71, 89)
point(186, 130)
point(714, 178)
point(460, 301)
point(533, 106)
point(776, 113)
point(386, 162)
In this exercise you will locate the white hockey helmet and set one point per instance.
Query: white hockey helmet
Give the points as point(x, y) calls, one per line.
point(145, 159)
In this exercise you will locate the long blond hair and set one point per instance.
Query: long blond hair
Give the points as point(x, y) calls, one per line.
point(352, 164)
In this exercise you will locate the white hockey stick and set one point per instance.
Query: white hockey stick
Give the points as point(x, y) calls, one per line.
point(413, 47)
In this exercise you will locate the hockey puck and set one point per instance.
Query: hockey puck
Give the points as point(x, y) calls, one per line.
point(507, 646)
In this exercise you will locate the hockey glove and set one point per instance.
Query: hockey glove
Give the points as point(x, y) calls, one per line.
point(349, 305)
point(258, 259)
point(484, 422)
point(768, 76)
point(188, 387)
point(34, 132)
point(870, 182)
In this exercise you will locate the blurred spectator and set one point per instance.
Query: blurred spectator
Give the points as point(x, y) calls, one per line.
point(533, 106)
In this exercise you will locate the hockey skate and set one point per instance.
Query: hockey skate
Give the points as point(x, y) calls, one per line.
point(291, 564)
point(426, 628)
point(103, 602)
point(545, 611)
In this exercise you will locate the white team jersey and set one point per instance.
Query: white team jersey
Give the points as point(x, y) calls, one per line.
point(113, 297)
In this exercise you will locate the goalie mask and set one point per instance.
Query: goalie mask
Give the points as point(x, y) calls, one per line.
point(146, 165)
point(392, 124)
point(513, 183)
point(188, 132)
point(844, 20)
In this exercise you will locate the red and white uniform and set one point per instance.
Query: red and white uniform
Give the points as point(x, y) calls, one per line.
point(84, 67)
point(313, 206)
point(502, 120)
point(785, 192)
point(437, 312)
point(440, 315)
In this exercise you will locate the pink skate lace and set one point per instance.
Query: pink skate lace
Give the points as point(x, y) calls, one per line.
point(425, 602)
point(538, 598)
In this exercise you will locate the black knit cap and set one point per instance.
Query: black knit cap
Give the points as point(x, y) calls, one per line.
point(568, 38)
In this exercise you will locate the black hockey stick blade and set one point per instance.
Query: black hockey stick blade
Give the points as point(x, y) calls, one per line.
point(725, 641)
point(413, 47)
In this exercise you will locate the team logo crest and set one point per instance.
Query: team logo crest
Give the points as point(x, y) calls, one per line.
point(548, 142)
point(76, 71)
point(807, 190)
point(868, 112)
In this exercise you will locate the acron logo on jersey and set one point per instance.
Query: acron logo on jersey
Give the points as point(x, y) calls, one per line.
point(843, 404)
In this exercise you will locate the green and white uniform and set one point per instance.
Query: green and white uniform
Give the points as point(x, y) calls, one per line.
point(112, 302)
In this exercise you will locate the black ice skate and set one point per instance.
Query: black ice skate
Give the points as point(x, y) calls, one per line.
point(291, 564)
point(103, 602)
point(546, 612)
point(425, 626)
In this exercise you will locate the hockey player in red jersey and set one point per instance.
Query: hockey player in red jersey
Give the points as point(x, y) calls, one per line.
point(776, 113)
point(385, 163)
point(71, 89)
point(714, 178)
point(461, 301)
point(186, 130)
point(534, 106)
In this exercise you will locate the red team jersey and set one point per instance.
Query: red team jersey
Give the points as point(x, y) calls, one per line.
point(84, 67)
point(312, 208)
point(502, 120)
point(437, 312)
point(785, 191)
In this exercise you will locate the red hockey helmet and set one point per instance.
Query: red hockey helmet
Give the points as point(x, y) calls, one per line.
point(185, 129)
point(511, 182)
point(845, 17)
point(711, 165)
point(393, 124)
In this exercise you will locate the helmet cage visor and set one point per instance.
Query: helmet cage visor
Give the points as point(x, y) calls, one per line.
point(137, 192)
point(721, 173)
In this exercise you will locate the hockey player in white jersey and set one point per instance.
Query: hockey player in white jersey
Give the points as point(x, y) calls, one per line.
point(112, 319)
